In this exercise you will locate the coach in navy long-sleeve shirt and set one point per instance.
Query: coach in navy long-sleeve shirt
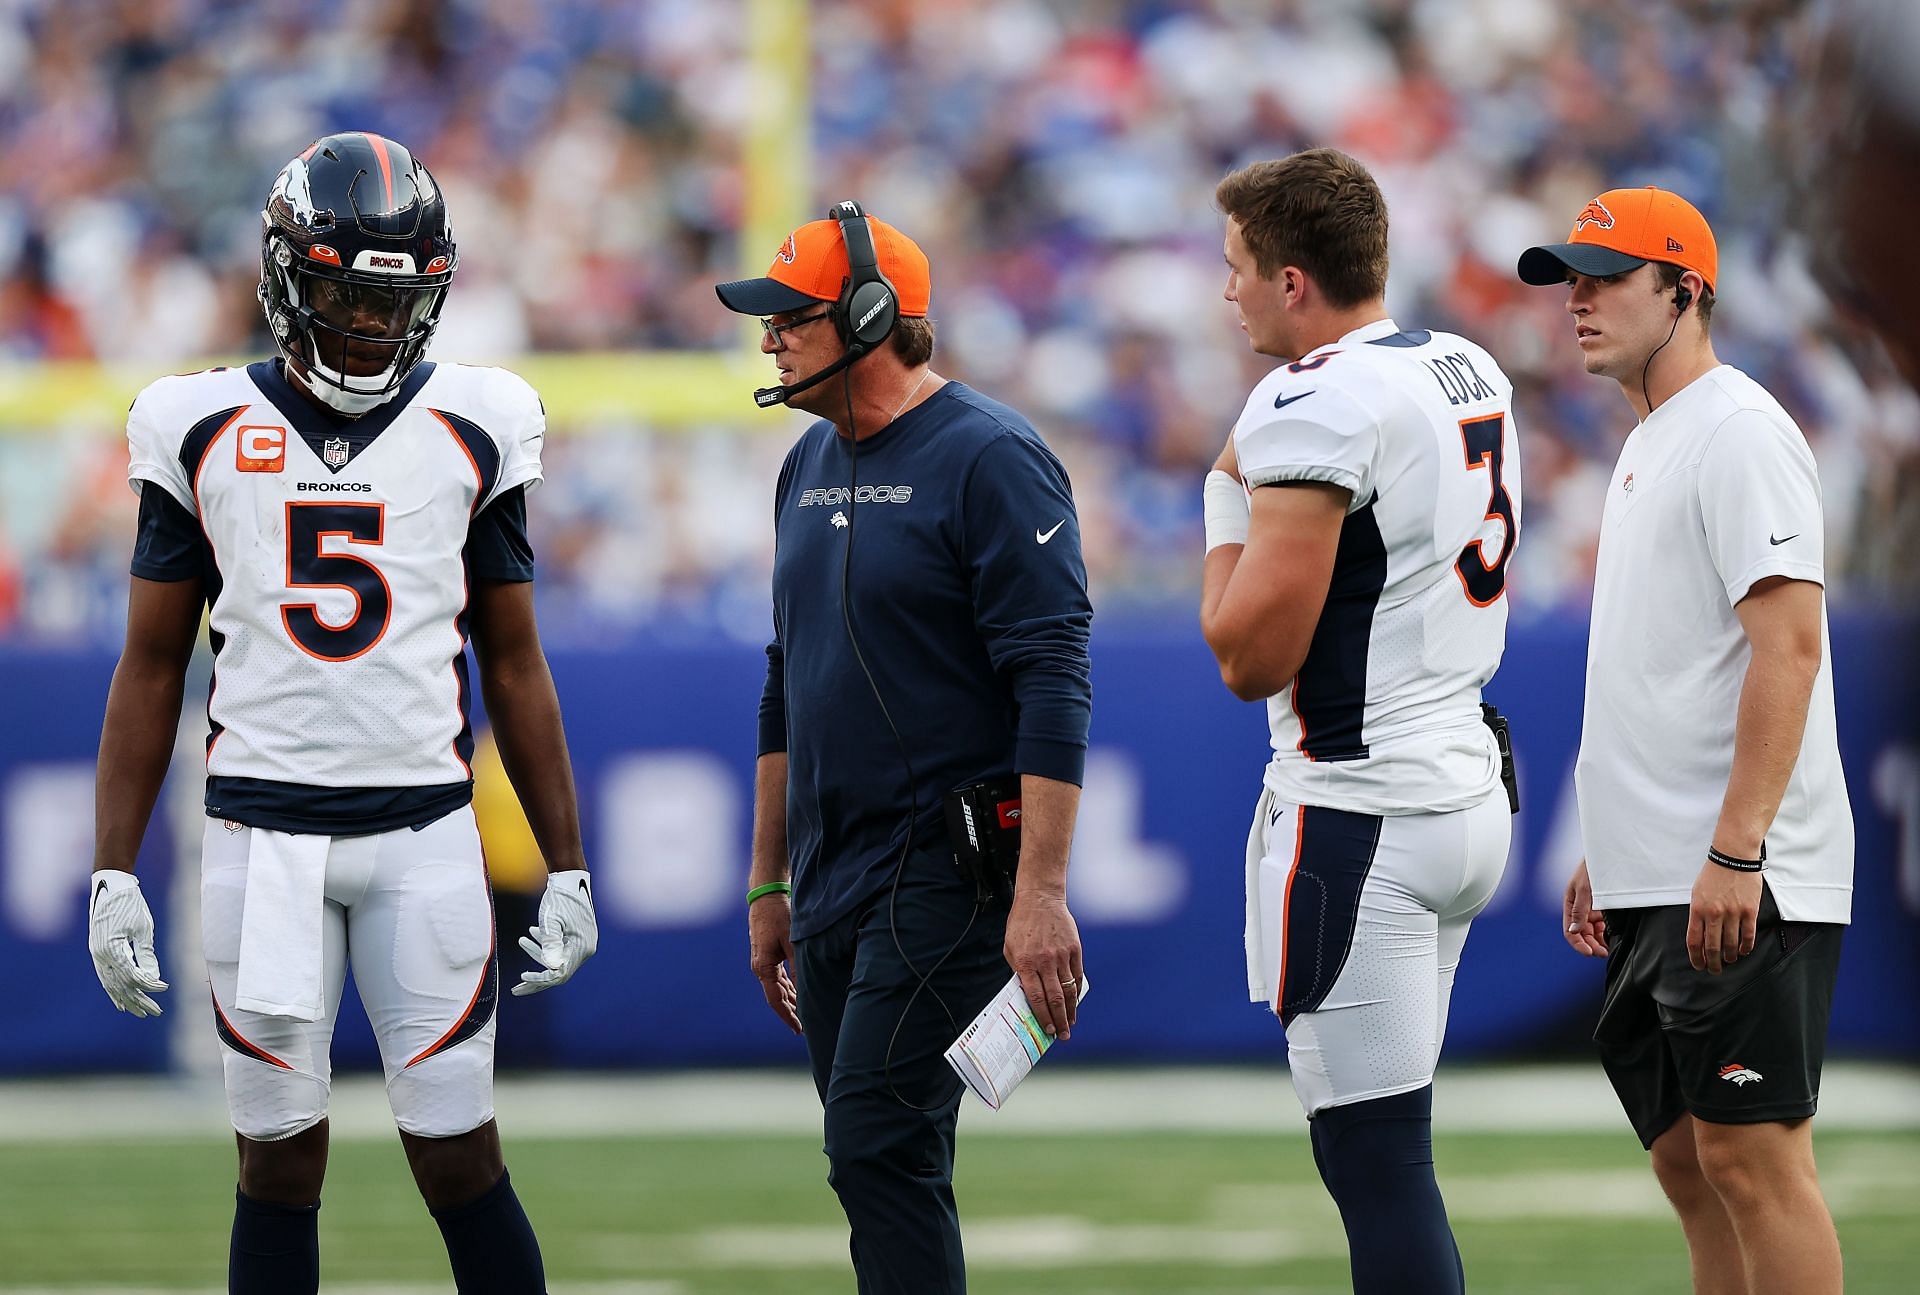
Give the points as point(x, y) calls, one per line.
point(930, 631)
point(969, 603)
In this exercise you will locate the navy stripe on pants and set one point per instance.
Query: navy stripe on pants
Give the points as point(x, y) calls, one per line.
point(1323, 903)
point(891, 1165)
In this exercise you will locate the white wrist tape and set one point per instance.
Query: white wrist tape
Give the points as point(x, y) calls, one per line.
point(1226, 508)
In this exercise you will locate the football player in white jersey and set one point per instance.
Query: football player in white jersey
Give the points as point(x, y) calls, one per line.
point(1359, 525)
point(349, 514)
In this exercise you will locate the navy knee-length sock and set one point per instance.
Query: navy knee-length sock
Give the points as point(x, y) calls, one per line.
point(492, 1246)
point(275, 1248)
point(1376, 1159)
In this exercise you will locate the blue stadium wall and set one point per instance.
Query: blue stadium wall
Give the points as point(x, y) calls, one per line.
point(662, 740)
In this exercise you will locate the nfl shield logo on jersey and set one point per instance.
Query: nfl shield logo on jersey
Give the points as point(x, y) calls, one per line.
point(334, 452)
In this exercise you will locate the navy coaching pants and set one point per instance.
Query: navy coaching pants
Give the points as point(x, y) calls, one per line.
point(892, 1165)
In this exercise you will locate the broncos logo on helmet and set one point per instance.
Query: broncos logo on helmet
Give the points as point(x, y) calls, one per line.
point(293, 193)
point(1595, 214)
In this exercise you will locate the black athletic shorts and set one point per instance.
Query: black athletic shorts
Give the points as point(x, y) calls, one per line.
point(1742, 1047)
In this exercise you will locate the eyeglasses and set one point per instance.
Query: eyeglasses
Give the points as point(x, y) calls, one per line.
point(774, 330)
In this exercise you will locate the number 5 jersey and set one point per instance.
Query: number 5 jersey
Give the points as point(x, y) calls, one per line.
point(337, 557)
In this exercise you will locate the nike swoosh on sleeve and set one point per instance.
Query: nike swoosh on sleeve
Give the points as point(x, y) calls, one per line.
point(1281, 402)
point(1041, 537)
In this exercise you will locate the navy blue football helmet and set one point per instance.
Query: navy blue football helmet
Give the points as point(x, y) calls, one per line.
point(355, 259)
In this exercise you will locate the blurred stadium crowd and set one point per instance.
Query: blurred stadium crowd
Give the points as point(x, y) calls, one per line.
point(1056, 160)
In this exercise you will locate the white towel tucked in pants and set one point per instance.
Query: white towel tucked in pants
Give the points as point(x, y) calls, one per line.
point(281, 956)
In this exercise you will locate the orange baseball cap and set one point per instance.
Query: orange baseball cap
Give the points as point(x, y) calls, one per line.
point(812, 266)
point(1622, 230)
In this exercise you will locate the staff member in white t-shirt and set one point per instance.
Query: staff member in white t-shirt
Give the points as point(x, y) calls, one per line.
point(1719, 840)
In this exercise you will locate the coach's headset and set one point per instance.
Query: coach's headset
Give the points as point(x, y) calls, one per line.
point(866, 312)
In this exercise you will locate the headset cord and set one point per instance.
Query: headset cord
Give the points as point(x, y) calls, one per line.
point(1648, 366)
point(922, 980)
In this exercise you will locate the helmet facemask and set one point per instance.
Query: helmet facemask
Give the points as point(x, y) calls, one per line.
point(350, 337)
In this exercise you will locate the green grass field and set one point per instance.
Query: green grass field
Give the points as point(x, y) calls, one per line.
point(1139, 1214)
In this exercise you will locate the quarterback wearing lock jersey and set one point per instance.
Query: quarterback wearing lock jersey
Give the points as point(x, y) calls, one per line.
point(1359, 525)
point(348, 515)
point(1383, 716)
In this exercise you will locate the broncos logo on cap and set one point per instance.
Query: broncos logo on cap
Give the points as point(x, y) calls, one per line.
point(787, 251)
point(1597, 214)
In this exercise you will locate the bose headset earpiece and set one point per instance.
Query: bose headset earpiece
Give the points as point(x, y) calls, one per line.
point(1682, 298)
point(868, 309)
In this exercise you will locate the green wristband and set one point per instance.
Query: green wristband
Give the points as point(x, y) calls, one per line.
point(771, 888)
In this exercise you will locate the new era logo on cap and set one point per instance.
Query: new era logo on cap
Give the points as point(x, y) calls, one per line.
point(1674, 247)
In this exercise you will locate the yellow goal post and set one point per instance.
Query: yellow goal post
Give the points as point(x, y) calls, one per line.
point(664, 390)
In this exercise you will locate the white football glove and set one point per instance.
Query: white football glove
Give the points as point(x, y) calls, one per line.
point(120, 937)
point(567, 935)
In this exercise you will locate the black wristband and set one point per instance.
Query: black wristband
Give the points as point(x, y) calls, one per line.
point(1740, 865)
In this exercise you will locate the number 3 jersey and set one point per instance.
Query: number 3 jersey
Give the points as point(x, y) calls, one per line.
point(337, 556)
point(1384, 715)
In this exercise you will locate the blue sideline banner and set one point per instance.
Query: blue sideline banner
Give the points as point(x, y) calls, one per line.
point(662, 741)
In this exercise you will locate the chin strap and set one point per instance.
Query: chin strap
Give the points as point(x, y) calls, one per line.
point(334, 391)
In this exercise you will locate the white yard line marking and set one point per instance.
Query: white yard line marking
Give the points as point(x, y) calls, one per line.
point(1239, 1101)
point(1238, 1231)
point(1024, 1244)
point(1856, 1180)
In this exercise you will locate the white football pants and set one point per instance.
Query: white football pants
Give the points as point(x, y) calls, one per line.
point(412, 912)
point(1355, 926)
